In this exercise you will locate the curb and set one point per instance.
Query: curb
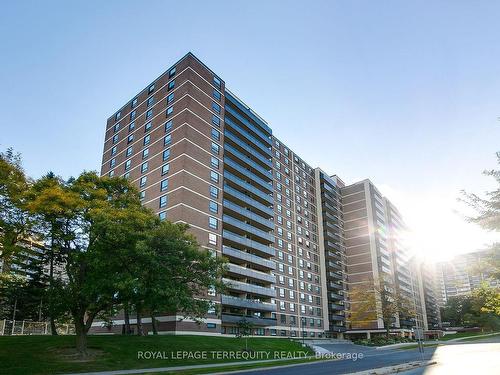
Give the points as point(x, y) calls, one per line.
point(394, 369)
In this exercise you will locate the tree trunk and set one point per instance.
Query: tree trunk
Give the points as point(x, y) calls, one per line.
point(154, 324)
point(53, 329)
point(139, 323)
point(126, 313)
point(81, 337)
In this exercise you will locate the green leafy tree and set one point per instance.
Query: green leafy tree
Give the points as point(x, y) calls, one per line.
point(93, 224)
point(15, 220)
point(457, 311)
point(178, 275)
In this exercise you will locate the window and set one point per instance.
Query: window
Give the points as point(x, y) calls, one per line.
point(147, 127)
point(216, 107)
point(214, 162)
point(167, 140)
point(171, 73)
point(142, 181)
point(134, 103)
point(151, 88)
point(215, 148)
point(142, 195)
point(164, 169)
point(145, 153)
point(112, 163)
point(126, 175)
point(127, 165)
point(214, 176)
point(149, 114)
point(216, 94)
point(213, 206)
point(166, 154)
point(147, 140)
point(151, 101)
point(131, 126)
point(217, 82)
point(111, 173)
point(113, 151)
point(115, 138)
point(118, 115)
point(116, 127)
point(170, 110)
point(162, 215)
point(212, 222)
point(214, 192)
point(130, 138)
point(144, 167)
point(212, 325)
point(216, 120)
point(132, 115)
point(171, 85)
point(168, 126)
point(164, 185)
point(163, 201)
point(129, 151)
point(170, 98)
point(215, 135)
point(212, 239)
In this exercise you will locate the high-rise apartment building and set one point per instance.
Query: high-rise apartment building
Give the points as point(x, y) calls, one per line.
point(293, 235)
point(376, 258)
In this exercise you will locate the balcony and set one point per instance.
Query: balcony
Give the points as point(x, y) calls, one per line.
point(248, 272)
point(267, 185)
point(336, 286)
point(249, 258)
point(250, 164)
point(336, 306)
point(245, 185)
point(248, 200)
point(335, 275)
point(248, 303)
point(233, 138)
point(261, 322)
point(248, 214)
point(332, 295)
point(262, 136)
point(230, 98)
point(337, 266)
point(230, 236)
point(255, 232)
point(250, 138)
point(337, 318)
point(337, 328)
point(249, 288)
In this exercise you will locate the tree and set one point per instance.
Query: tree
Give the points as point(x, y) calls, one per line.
point(378, 301)
point(244, 329)
point(456, 310)
point(15, 221)
point(92, 223)
point(178, 275)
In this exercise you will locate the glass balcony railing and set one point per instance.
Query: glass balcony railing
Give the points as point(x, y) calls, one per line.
point(265, 173)
point(248, 214)
point(263, 137)
point(336, 306)
point(247, 257)
point(253, 140)
point(242, 107)
point(250, 188)
point(267, 185)
point(247, 303)
point(260, 322)
point(247, 242)
point(249, 288)
point(248, 200)
point(248, 272)
point(266, 236)
point(261, 158)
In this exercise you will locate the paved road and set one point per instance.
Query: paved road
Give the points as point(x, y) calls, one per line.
point(372, 358)
point(473, 357)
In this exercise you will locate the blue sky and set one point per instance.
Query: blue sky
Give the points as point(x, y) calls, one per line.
point(405, 93)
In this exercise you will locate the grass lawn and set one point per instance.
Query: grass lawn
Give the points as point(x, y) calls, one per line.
point(473, 338)
point(463, 334)
point(46, 354)
point(416, 346)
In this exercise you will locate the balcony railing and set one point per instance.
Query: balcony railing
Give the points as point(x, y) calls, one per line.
point(248, 200)
point(248, 303)
point(266, 236)
point(231, 136)
point(248, 272)
point(248, 187)
point(265, 173)
point(249, 288)
point(248, 214)
point(262, 136)
point(267, 185)
point(253, 140)
point(262, 322)
point(248, 243)
point(249, 258)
